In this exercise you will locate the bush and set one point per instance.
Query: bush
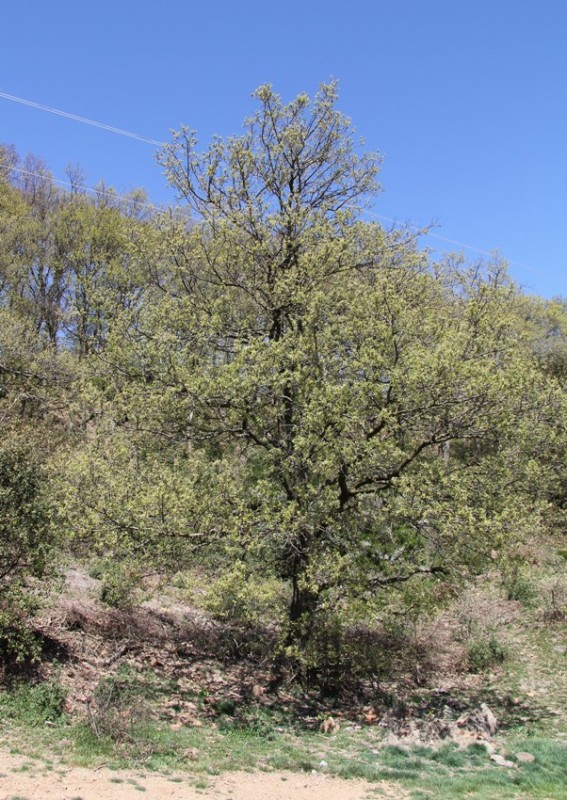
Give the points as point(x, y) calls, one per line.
point(555, 601)
point(518, 588)
point(26, 543)
point(240, 597)
point(120, 715)
point(485, 653)
point(119, 583)
point(36, 704)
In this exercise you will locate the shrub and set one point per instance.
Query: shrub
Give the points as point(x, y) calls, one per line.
point(35, 704)
point(26, 542)
point(119, 583)
point(241, 597)
point(519, 588)
point(485, 653)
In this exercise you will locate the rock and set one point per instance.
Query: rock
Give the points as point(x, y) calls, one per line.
point(560, 648)
point(501, 761)
point(257, 690)
point(524, 758)
point(490, 721)
point(330, 726)
point(445, 730)
point(481, 720)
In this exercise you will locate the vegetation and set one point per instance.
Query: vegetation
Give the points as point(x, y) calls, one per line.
point(306, 412)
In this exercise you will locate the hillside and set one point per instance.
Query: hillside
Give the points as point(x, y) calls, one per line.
point(278, 488)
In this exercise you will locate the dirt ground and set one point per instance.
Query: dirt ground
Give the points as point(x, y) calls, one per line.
point(30, 780)
point(183, 647)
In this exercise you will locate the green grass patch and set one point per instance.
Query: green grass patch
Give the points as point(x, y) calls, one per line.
point(35, 704)
point(443, 772)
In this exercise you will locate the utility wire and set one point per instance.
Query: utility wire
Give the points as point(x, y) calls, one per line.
point(463, 245)
point(76, 118)
point(146, 140)
point(112, 195)
point(434, 235)
point(116, 196)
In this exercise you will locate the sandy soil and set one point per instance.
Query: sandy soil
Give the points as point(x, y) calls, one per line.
point(24, 779)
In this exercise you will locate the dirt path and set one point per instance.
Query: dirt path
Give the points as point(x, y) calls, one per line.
point(25, 779)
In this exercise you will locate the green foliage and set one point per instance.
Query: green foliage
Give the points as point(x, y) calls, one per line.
point(24, 516)
point(304, 394)
point(18, 641)
point(265, 382)
point(143, 503)
point(242, 597)
point(97, 569)
point(26, 541)
point(368, 397)
point(118, 586)
point(119, 580)
point(35, 704)
point(486, 652)
point(519, 587)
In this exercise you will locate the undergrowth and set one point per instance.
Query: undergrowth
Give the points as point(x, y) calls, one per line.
point(515, 663)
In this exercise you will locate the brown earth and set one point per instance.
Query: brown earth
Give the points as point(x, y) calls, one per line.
point(27, 780)
point(178, 641)
point(170, 638)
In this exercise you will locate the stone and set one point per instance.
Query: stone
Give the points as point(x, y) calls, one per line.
point(330, 726)
point(501, 761)
point(490, 721)
point(525, 758)
point(481, 720)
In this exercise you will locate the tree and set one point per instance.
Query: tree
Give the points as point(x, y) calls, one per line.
point(358, 395)
point(92, 243)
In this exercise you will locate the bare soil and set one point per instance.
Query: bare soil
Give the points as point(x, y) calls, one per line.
point(20, 778)
point(86, 641)
point(178, 641)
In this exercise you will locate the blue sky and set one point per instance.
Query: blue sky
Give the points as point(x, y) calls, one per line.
point(466, 100)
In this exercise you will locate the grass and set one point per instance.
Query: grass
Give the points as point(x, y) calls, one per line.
point(443, 772)
point(535, 671)
point(128, 733)
point(34, 705)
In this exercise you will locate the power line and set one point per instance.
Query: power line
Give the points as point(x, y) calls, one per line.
point(116, 196)
point(465, 246)
point(434, 235)
point(77, 118)
point(112, 195)
point(146, 140)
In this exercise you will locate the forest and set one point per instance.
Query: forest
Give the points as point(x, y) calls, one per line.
point(329, 432)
